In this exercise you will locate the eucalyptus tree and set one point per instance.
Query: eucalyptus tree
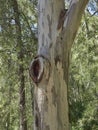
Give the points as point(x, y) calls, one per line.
point(57, 28)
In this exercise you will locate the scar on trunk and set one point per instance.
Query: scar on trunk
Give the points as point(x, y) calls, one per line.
point(36, 69)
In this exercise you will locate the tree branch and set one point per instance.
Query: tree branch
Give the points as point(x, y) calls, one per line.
point(32, 33)
point(86, 24)
point(73, 18)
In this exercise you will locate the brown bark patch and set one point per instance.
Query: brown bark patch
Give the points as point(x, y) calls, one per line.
point(47, 127)
point(57, 59)
point(46, 103)
point(54, 96)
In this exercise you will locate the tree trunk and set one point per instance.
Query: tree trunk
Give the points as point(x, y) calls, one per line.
point(23, 121)
point(49, 69)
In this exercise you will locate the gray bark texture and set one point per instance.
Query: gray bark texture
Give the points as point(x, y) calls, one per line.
point(49, 70)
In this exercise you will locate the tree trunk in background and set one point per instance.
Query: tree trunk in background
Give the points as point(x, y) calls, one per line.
point(23, 121)
point(49, 70)
point(8, 125)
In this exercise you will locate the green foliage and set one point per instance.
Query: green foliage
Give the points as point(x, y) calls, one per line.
point(9, 76)
point(84, 76)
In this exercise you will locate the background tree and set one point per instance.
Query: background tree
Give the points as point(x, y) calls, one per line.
point(9, 57)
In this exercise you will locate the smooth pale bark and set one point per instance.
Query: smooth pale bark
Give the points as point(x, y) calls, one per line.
point(50, 96)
